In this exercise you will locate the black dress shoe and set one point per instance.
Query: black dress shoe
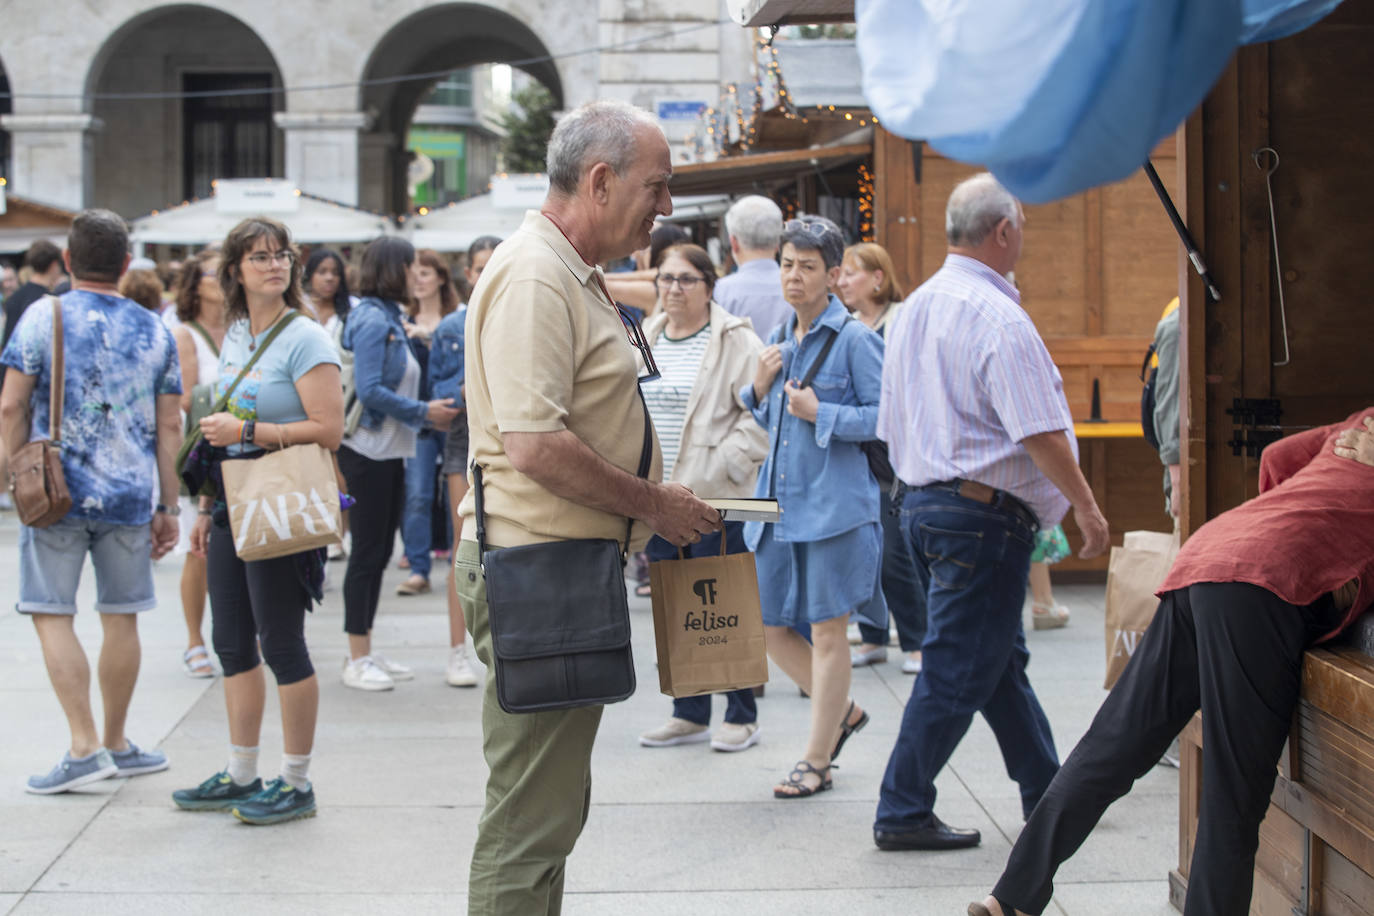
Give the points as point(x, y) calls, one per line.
point(936, 835)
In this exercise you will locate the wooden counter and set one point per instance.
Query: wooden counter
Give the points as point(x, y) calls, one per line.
point(1316, 851)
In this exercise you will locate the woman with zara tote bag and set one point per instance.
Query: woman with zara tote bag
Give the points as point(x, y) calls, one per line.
point(290, 395)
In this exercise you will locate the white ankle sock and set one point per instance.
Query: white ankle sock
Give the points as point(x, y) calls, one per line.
point(243, 764)
point(295, 770)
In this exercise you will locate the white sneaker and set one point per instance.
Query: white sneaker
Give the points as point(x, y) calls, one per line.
point(673, 732)
point(459, 672)
point(732, 736)
point(397, 671)
point(363, 674)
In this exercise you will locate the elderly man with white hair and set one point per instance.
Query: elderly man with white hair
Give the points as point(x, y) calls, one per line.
point(558, 426)
point(754, 290)
point(978, 430)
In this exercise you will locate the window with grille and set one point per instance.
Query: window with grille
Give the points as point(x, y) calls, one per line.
point(227, 133)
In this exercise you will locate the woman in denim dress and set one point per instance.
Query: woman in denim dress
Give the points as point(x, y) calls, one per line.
point(821, 561)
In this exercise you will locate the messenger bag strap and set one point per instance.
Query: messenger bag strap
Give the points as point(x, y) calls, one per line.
point(820, 357)
point(57, 385)
point(262, 348)
point(646, 457)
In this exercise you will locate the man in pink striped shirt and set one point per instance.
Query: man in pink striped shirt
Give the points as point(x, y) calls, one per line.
point(974, 415)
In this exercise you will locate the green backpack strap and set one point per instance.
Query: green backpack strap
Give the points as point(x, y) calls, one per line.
point(199, 329)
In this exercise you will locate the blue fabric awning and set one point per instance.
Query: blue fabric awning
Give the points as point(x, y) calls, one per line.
point(1055, 96)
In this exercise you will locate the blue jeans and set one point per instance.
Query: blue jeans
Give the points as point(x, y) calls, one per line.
point(416, 520)
point(902, 585)
point(740, 707)
point(975, 558)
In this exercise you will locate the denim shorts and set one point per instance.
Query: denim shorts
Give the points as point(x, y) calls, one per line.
point(50, 562)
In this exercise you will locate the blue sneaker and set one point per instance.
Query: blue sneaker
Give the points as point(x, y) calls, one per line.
point(71, 773)
point(218, 793)
point(277, 803)
point(136, 762)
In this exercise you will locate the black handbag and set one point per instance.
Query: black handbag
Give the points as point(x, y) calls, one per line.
point(559, 615)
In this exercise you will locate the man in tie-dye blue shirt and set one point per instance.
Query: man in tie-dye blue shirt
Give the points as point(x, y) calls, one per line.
point(120, 429)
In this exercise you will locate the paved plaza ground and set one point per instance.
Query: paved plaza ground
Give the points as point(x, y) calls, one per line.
point(399, 777)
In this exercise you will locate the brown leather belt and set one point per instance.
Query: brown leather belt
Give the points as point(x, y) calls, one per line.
point(988, 496)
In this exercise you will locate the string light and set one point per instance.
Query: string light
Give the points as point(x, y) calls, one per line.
point(865, 203)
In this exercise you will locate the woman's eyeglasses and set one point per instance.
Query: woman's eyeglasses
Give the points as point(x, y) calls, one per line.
point(263, 261)
point(636, 335)
point(687, 282)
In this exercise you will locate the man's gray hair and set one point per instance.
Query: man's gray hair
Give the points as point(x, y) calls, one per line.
point(976, 206)
point(756, 221)
point(596, 132)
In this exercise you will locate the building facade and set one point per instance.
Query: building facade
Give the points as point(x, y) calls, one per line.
point(137, 105)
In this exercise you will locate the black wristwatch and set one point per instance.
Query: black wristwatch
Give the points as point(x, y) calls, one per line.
point(173, 510)
point(250, 427)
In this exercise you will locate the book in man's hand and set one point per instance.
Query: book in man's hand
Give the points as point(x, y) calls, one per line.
point(745, 510)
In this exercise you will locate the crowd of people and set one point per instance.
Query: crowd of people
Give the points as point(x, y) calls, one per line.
point(920, 450)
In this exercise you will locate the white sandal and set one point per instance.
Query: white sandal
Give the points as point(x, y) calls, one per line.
point(1044, 617)
point(197, 662)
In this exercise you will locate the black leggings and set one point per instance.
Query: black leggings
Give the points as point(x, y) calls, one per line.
point(380, 489)
point(261, 603)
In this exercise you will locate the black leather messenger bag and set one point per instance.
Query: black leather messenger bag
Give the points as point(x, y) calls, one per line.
point(559, 616)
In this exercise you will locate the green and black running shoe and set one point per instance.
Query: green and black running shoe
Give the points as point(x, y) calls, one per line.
point(218, 793)
point(276, 803)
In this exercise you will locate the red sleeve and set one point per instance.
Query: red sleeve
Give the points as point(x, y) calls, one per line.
point(1286, 457)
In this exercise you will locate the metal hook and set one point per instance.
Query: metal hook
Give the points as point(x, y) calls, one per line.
point(1256, 157)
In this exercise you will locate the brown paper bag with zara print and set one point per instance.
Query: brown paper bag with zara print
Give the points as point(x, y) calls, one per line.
point(1134, 572)
point(283, 502)
point(708, 624)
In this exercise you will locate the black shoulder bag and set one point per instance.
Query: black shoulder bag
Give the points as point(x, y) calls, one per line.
point(559, 616)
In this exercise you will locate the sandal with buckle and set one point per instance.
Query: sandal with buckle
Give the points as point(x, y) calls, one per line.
point(846, 729)
point(196, 661)
point(797, 780)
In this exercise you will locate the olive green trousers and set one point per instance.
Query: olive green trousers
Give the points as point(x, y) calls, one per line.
point(540, 788)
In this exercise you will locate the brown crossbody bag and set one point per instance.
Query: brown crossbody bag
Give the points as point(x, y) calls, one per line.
point(37, 484)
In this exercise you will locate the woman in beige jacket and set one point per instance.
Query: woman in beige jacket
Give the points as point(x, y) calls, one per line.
point(710, 443)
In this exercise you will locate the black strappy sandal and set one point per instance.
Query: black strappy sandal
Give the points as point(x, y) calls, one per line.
point(797, 779)
point(846, 729)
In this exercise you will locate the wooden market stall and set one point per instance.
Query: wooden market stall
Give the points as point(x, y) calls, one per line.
point(1280, 147)
point(1289, 350)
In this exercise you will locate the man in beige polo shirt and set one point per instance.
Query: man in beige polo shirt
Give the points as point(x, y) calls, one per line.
point(557, 425)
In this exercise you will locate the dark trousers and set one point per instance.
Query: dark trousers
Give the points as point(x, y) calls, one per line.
point(257, 604)
point(903, 589)
point(1235, 651)
point(379, 488)
point(740, 707)
point(976, 558)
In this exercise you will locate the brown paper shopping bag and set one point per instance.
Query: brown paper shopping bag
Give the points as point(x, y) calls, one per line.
point(1133, 574)
point(282, 503)
point(708, 624)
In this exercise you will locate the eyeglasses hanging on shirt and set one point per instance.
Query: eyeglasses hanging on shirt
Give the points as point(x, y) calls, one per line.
point(635, 332)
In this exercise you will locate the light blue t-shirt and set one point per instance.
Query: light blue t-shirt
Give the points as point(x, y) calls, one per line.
point(268, 391)
point(119, 358)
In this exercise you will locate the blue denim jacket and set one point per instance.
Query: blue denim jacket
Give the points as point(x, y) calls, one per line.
point(446, 358)
point(823, 483)
point(376, 334)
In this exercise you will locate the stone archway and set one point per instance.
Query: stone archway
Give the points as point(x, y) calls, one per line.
point(149, 153)
point(445, 37)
